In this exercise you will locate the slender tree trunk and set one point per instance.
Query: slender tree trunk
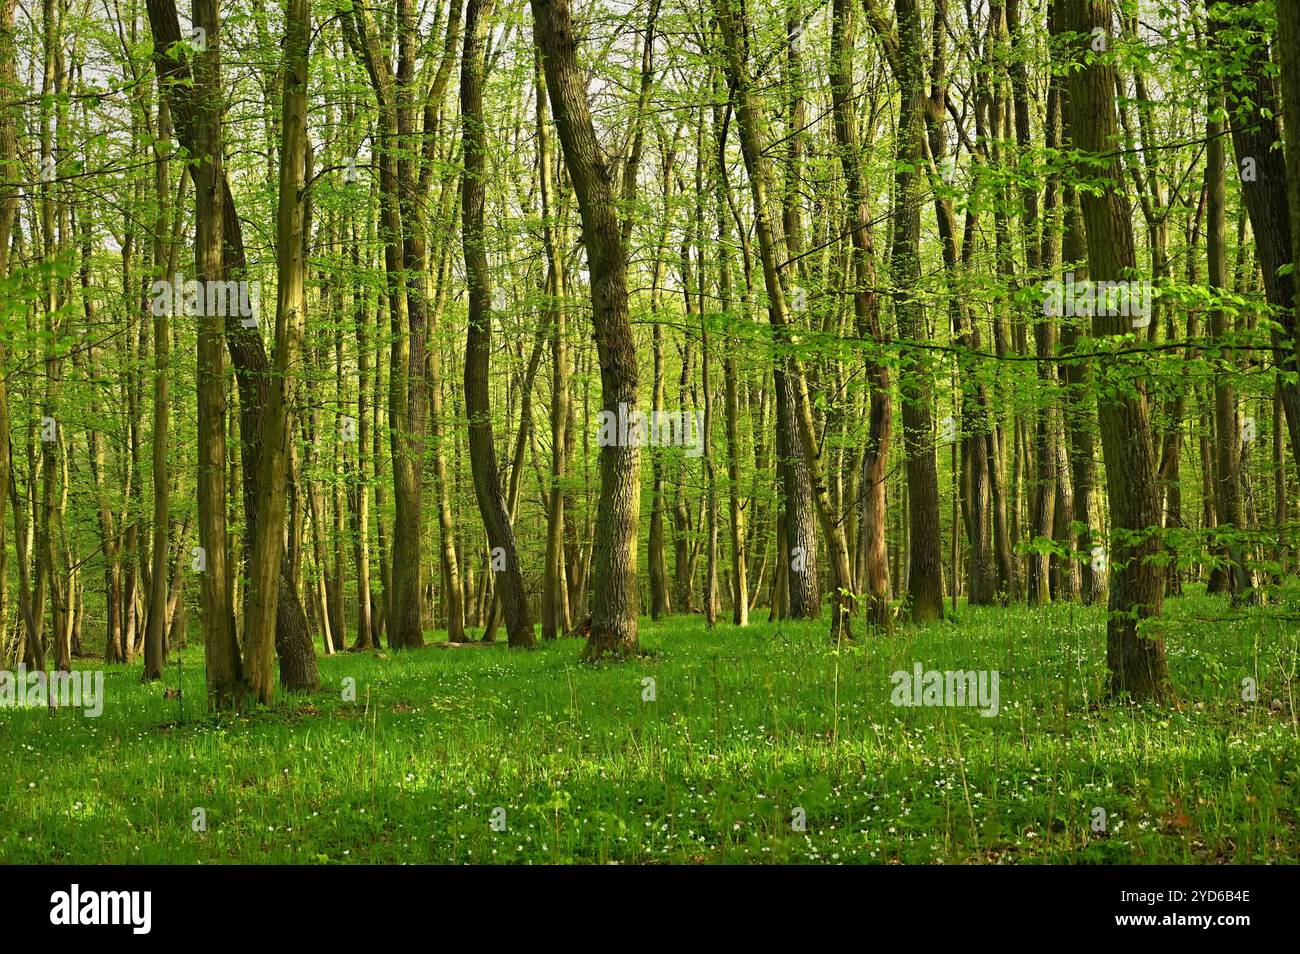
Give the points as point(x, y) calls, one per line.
point(1136, 660)
point(925, 576)
point(247, 352)
point(358, 490)
point(875, 456)
point(1227, 433)
point(555, 616)
point(224, 665)
point(268, 541)
point(10, 194)
point(478, 342)
point(734, 27)
point(155, 634)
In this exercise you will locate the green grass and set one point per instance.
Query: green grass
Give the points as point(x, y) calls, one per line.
point(746, 726)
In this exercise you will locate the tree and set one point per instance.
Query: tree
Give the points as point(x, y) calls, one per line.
point(734, 29)
point(268, 543)
point(1136, 660)
point(1288, 44)
point(478, 341)
point(925, 579)
point(247, 352)
point(224, 664)
point(866, 318)
point(614, 557)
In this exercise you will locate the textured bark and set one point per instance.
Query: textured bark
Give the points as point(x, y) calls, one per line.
point(1136, 660)
point(247, 353)
point(406, 264)
point(797, 532)
point(1254, 105)
point(925, 570)
point(614, 556)
point(268, 542)
point(225, 678)
point(798, 582)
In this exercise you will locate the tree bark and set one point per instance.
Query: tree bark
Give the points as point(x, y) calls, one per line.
point(267, 556)
point(614, 613)
point(875, 455)
point(1254, 108)
point(478, 340)
point(247, 353)
point(1135, 659)
point(225, 677)
point(925, 575)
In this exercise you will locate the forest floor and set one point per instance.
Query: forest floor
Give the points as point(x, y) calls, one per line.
point(741, 738)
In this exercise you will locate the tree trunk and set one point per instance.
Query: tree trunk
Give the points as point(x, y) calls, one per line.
point(925, 574)
point(478, 341)
point(1136, 660)
point(734, 27)
point(1267, 175)
point(555, 616)
point(225, 678)
point(247, 353)
point(268, 542)
point(1227, 432)
point(614, 613)
point(875, 456)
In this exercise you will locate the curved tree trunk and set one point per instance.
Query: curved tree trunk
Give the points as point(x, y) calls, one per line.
point(614, 610)
point(478, 342)
point(247, 352)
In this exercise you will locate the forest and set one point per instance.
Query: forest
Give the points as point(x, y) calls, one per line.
point(674, 431)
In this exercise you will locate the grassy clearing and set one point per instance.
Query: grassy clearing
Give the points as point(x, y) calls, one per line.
point(745, 728)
